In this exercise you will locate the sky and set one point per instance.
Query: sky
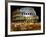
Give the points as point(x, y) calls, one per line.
point(37, 10)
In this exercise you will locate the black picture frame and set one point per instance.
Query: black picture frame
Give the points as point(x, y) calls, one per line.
point(6, 18)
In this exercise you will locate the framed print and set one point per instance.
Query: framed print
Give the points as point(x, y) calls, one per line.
point(25, 18)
